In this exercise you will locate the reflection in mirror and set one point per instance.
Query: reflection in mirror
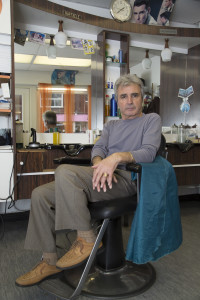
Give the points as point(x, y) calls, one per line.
point(150, 76)
point(72, 105)
point(30, 73)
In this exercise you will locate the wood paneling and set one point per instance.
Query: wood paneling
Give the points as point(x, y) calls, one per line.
point(185, 175)
point(176, 157)
point(38, 160)
point(188, 175)
point(30, 161)
point(27, 183)
point(109, 24)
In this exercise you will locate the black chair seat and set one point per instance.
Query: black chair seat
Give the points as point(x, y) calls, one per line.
point(112, 208)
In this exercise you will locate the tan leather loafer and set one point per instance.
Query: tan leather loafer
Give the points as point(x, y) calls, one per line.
point(40, 272)
point(78, 253)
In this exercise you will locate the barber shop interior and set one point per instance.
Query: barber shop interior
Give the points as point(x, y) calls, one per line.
point(99, 149)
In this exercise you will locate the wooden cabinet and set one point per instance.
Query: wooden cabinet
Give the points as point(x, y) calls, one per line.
point(36, 167)
point(186, 165)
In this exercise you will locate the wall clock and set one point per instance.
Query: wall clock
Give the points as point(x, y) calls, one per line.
point(121, 10)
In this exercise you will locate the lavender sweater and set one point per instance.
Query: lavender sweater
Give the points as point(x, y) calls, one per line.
point(140, 136)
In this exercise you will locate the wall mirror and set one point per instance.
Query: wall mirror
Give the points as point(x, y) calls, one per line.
point(31, 73)
point(27, 76)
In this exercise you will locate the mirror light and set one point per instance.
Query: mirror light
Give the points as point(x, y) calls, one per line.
point(146, 62)
point(23, 58)
point(166, 54)
point(60, 37)
point(59, 89)
point(62, 61)
point(51, 50)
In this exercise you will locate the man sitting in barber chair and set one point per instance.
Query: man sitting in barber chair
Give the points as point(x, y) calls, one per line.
point(50, 120)
point(63, 204)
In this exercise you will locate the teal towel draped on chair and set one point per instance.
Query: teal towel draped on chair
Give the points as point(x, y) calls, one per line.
point(156, 228)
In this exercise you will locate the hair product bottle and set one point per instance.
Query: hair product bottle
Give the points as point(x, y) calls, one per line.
point(113, 106)
point(107, 106)
point(56, 137)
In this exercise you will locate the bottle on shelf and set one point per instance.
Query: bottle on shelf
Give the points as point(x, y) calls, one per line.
point(120, 54)
point(113, 106)
point(119, 113)
point(108, 83)
point(56, 137)
point(107, 106)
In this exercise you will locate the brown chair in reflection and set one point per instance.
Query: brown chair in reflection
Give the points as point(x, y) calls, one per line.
point(153, 107)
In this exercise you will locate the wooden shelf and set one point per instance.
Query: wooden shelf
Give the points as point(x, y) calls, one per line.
point(115, 64)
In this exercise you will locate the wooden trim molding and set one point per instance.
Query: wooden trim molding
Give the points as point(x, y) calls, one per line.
point(109, 24)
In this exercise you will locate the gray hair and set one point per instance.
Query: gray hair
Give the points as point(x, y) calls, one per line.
point(126, 80)
point(50, 117)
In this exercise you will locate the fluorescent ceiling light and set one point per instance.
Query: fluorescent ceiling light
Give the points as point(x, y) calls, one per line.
point(63, 89)
point(62, 61)
point(23, 58)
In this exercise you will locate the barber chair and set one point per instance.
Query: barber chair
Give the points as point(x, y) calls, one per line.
point(106, 275)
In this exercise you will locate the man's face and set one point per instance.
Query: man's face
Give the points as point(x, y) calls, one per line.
point(130, 101)
point(140, 14)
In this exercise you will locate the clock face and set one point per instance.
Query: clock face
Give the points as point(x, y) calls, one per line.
point(121, 10)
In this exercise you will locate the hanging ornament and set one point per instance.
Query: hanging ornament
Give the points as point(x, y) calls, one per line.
point(185, 106)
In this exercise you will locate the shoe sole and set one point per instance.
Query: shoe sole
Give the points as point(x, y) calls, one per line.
point(37, 283)
point(80, 263)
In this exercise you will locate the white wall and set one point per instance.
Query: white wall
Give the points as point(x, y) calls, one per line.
point(35, 77)
point(150, 76)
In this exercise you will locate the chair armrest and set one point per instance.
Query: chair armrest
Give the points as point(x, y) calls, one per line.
point(79, 150)
point(134, 167)
point(72, 160)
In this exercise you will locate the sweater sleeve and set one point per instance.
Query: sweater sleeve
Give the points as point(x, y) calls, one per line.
point(150, 140)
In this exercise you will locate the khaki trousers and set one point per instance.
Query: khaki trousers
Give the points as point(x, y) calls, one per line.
point(62, 204)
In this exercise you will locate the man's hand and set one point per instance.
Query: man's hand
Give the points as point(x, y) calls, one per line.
point(104, 169)
point(103, 172)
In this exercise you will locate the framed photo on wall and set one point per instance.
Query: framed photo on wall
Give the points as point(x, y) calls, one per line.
point(152, 12)
point(63, 76)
